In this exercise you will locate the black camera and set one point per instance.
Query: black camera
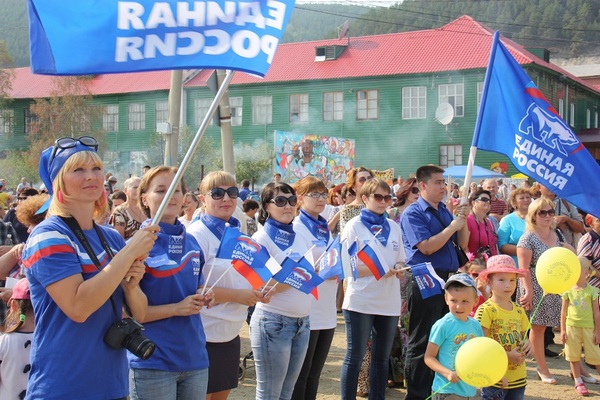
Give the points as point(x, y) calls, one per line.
point(127, 333)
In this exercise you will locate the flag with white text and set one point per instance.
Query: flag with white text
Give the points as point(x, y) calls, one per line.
point(300, 275)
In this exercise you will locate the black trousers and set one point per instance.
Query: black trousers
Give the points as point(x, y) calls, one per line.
point(307, 384)
point(423, 314)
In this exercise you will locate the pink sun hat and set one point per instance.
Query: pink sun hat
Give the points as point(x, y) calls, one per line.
point(501, 263)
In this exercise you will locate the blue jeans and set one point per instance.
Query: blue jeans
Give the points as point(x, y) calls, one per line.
point(279, 346)
point(492, 393)
point(358, 329)
point(152, 384)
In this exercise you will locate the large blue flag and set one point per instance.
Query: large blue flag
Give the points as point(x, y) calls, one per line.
point(516, 120)
point(107, 36)
point(300, 275)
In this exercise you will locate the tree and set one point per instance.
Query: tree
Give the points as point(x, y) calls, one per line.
point(6, 74)
point(254, 162)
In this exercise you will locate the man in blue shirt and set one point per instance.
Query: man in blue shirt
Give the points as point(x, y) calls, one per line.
point(428, 231)
point(245, 190)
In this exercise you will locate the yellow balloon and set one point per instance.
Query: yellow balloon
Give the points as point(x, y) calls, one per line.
point(557, 270)
point(481, 362)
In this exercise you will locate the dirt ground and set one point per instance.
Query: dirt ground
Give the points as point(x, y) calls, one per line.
point(330, 378)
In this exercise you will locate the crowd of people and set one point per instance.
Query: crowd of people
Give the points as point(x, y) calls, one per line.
point(102, 303)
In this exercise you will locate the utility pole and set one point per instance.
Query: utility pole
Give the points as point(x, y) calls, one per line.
point(226, 134)
point(172, 138)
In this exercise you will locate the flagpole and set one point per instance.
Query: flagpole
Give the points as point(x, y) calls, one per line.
point(193, 146)
point(222, 275)
point(212, 264)
point(323, 255)
point(482, 104)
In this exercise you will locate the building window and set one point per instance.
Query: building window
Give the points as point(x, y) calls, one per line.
point(161, 112)
point(333, 106)
point(137, 116)
point(201, 107)
point(29, 118)
point(110, 118)
point(454, 95)
point(236, 106)
point(588, 119)
point(7, 119)
point(596, 120)
point(561, 108)
point(298, 108)
point(262, 110)
point(367, 104)
point(414, 102)
point(479, 94)
point(572, 115)
point(450, 155)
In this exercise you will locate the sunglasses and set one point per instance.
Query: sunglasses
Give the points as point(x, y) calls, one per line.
point(484, 199)
point(380, 197)
point(363, 179)
point(546, 213)
point(218, 193)
point(317, 195)
point(281, 201)
point(68, 143)
point(415, 190)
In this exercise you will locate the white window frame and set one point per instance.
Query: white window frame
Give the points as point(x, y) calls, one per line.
point(588, 118)
point(262, 110)
point(333, 106)
point(561, 108)
point(136, 116)
point(454, 94)
point(596, 120)
point(161, 112)
point(236, 106)
point(110, 118)
point(201, 107)
point(28, 119)
point(298, 108)
point(7, 122)
point(479, 94)
point(414, 102)
point(367, 104)
point(572, 115)
point(450, 155)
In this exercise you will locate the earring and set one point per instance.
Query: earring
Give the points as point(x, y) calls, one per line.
point(59, 196)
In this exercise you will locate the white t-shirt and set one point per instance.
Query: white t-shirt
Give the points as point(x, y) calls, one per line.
point(367, 295)
point(222, 322)
point(328, 212)
point(292, 302)
point(323, 312)
point(14, 357)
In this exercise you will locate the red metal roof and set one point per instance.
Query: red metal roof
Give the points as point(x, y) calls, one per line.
point(462, 44)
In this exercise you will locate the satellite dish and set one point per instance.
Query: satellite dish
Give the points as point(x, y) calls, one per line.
point(444, 113)
point(344, 30)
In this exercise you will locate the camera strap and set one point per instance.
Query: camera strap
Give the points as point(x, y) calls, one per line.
point(76, 229)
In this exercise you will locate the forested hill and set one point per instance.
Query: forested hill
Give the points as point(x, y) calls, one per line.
point(568, 28)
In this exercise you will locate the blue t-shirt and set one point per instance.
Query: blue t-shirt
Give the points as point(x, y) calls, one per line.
point(510, 231)
point(449, 333)
point(173, 272)
point(419, 223)
point(69, 360)
point(243, 193)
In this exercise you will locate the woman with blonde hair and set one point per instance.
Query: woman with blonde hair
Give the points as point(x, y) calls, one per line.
point(127, 218)
point(80, 276)
point(540, 235)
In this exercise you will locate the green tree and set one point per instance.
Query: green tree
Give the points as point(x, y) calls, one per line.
point(6, 74)
point(254, 162)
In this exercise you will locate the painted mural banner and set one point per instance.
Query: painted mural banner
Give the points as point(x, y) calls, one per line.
point(298, 155)
point(92, 37)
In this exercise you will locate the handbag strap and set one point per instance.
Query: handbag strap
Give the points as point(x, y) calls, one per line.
point(436, 215)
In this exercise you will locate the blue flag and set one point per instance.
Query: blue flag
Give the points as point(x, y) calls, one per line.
point(429, 283)
point(515, 119)
point(374, 261)
point(106, 36)
point(300, 275)
point(330, 264)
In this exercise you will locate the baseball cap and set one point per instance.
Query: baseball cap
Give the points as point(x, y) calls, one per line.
point(501, 263)
point(463, 279)
point(21, 290)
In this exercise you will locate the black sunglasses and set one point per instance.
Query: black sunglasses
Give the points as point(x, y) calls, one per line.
point(544, 213)
point(218, 193)
point(484, 199)
point(363, 179)
point(415, 190)
point(380, 197)
point(69, 142)
point(281, 201)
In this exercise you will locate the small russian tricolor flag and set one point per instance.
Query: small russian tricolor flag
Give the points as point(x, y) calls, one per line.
point(368, 255)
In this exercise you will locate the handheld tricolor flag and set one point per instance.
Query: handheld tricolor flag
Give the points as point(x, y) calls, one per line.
point(373, 260)
point(429, 283)
point(300, 275)
point(515, 119)
point(330, 264)
point(248, 257)
point(90, 37)
point(349, 257)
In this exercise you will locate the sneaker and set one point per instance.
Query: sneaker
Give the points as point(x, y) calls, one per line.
point(581, 390)
point(550, 354)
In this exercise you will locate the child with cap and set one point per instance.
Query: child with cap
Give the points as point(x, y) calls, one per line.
point(15, 343)
point(448, 334)
point(580, 325)
point(506, 322)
